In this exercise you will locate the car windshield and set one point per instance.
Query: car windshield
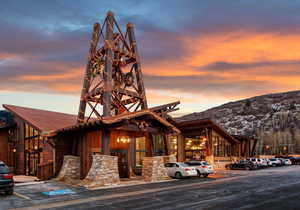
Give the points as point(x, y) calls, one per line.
point(4, 169)
point(183, 165)
point(205, 163)
point(272, 159)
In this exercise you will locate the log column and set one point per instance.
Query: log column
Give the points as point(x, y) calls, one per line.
point(107, 77)
point(181, 148)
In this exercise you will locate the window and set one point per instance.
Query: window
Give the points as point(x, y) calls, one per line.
point(221, 148)
point(158, 145)
point(195, 147)
point(33, 149)
point(140, 148)
point(173, 140)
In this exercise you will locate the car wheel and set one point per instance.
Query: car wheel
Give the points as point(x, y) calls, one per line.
point(205, 175)
point(178, 175)
point(198, 174)
point(273, 165)
point(9, 192)
point(247, 168)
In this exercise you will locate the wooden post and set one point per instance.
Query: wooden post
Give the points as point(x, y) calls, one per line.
point(180, 148)
point(87, 76)
point(137, 67)
point(107, 77)
point(167, 144)
point(149, 145)
point(105, 142)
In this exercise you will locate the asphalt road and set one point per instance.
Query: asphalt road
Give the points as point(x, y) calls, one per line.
point(273, 188)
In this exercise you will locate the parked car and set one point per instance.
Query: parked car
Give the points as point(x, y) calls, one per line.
point(287, 162)
point(242, 164)
point(203, 168)
point(6, 179)
point(295, 160)
point(274, 162)
point(180, 170)
point(260, 163)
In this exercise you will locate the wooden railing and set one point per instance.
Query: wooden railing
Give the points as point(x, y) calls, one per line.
point(45, 171)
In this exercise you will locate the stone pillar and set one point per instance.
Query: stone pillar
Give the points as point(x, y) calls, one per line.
point(104, 171)
point(210, 159)
point(70, 170)
point(154, 169)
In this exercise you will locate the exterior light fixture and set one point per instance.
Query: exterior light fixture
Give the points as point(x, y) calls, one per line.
point(14, 150)
point(123, 140)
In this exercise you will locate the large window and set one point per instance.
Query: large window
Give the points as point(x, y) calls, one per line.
point(221, 148)
point(33, 149)
point(173, 140)
point(195, 147)
point(140, 148)
point(158, 145)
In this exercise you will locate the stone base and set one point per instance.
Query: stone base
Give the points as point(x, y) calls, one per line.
point(104, 171)
point(154, 169)
point(70, 170)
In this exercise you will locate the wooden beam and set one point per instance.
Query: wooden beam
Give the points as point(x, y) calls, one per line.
point(137, 66)
point(126, 92)
point(149, 145)
point(167, 144)
point(180, 148)
point(107, 76)
point(87, 76)
point(105, 141)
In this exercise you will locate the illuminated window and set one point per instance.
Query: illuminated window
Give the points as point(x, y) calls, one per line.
point(140, 147)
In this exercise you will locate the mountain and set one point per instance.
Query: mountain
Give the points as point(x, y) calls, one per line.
point(274, 119)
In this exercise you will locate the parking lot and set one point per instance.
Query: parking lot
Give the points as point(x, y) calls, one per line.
point(275, 187)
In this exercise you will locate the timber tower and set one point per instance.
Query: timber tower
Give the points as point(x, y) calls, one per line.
point(113, 81)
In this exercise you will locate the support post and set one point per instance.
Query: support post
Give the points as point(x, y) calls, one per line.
point(137, 67)
point(107, 77)
point(181, 148)
point(87, 75)
point(167, 144)
point(149, 145)
point(105, 142)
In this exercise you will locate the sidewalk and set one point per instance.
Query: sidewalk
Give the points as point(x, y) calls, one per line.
point(21, 180)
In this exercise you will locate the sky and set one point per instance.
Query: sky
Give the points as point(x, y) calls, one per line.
point(203, 53)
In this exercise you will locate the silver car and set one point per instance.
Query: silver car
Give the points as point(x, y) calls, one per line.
point(180, 170)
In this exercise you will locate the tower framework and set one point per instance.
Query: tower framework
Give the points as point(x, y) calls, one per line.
point(113, 81)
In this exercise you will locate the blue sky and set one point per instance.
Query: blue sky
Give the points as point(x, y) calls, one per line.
point(203, 53)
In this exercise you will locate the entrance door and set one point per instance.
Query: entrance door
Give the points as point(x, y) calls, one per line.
point(32, 159)
point(122, 162)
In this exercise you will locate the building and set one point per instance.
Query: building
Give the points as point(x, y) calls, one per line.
point(115, 134)
point(43, 138)
point(205, 140)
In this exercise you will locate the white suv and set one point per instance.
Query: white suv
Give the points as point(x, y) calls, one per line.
point(274, 162)
point(180, 170)
point(203, 168)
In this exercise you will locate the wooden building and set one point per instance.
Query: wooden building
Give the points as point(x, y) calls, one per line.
point(43, 138)
point(204, 139)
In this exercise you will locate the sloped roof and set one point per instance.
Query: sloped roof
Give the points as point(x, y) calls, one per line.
point(50, 123)
point(42, 120)
point(190, 125)
point(121, 117)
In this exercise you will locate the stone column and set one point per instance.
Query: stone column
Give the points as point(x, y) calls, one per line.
point(70, 170)
point(154, 169)
point(104, 171)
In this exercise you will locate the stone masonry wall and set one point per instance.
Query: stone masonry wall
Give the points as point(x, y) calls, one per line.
point(154, 169)
point(104, 171)
point(70, 170)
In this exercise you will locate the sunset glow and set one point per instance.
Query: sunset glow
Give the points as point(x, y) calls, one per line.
point(204, 57)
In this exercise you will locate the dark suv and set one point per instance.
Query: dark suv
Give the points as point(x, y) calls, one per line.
point(6, 179)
